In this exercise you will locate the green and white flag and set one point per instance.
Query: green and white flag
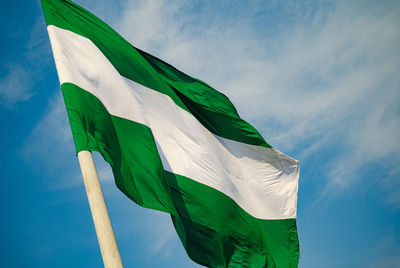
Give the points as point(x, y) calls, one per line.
point(175, 144)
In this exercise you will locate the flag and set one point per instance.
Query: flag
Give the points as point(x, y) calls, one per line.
point(176, 145)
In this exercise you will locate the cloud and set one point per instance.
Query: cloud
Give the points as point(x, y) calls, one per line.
point(386, 252)
point(50, 147)
point(160, 234)
point(326, 77)
point(15, 86)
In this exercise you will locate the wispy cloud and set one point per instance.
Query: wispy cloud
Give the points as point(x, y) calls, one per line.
point(51, 148)
point(326, 77)
point(383, 251)
point(17, 84)
point(161, 232)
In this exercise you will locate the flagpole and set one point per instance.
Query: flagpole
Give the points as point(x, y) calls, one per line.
point(105, 234)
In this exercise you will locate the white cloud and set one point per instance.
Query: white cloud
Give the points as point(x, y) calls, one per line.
point(51, 148)
point(385, 253)
point(330, 80)
point(160, 234)
point(15, 86)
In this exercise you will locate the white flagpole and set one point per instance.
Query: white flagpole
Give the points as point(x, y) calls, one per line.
point(105, 234)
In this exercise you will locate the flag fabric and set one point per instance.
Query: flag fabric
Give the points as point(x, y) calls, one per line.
point(176, 145)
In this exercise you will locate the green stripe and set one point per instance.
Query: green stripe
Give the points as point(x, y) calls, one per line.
point(214, 230)
point(211, 108)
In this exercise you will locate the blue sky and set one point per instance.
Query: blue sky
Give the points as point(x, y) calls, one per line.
point(319, 79)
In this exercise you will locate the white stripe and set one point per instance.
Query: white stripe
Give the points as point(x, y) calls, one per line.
point(262, 181)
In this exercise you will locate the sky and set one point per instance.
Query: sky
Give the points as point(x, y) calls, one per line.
point(319, 79)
